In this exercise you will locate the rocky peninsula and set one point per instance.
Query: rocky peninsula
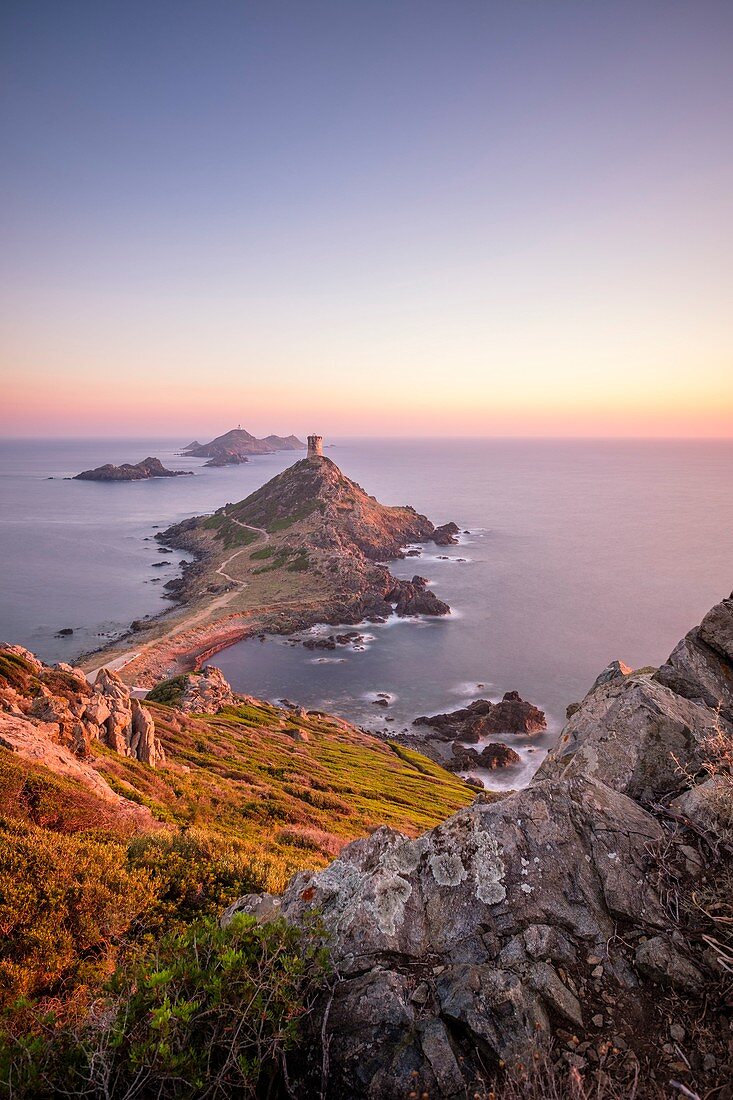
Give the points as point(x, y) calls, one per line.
point(308, 547)
point(140, 471)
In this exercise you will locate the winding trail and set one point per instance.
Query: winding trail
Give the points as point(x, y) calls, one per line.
point(204, 613)
point(220, 601)
point(224, 564)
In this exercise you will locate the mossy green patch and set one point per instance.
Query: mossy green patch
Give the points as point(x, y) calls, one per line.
point(168, 692)
point(231, 534)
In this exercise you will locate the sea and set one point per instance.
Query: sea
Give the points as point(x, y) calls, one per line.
point(572, 553)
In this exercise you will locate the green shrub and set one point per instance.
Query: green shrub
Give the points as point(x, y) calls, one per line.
point(196, 874)
point(168, 692)
point(211, 1009)
point(219, 1008)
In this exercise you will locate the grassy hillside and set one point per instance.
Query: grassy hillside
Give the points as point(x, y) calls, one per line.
point(112, 917)
point(249, 797)
point(293, 788)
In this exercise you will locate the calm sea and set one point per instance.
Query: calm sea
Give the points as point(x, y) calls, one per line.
point(578, 552)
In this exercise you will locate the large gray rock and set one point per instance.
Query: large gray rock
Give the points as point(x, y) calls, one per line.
point(470, 929)
point(716, 629)
point(697, 672)
point(518, 918)
point(700, 667)
point(557, 854)
point(633, 734)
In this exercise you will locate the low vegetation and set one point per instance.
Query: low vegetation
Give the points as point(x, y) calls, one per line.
point(232, 535)
point(210, 1012)
point(295, 560)
point(115, 979)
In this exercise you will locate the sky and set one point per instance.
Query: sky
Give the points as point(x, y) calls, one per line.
point(366, 217)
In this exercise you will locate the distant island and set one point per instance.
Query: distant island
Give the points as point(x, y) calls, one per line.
point(237, 445)
point(140, 471)
point(308, 547)
point(227, 460)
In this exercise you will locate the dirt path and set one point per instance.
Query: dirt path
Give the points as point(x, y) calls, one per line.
point(224, 564)
point(191, 621)
point(113, 666)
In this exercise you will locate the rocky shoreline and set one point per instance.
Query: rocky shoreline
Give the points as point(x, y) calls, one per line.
point(576, 931)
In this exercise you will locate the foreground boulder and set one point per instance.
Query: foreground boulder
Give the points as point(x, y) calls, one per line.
point(544, 915)
point(701, 666)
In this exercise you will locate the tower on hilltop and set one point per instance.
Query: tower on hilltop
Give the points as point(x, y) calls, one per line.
point(315, 446)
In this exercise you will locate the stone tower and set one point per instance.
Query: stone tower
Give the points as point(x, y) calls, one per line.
point(315, 446)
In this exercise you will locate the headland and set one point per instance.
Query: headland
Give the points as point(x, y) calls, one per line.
point(310, 546)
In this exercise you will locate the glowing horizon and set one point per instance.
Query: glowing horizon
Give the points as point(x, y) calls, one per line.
point(386, 220)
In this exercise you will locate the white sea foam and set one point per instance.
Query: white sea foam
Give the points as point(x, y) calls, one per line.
point(469, 689)
point(375, 696)
point(446, 558)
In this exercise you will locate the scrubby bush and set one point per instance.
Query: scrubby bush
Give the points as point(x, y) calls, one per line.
point(64, 902)
point(197, 874)
point(212, 1012)
point(718, 752)
point(168, 692)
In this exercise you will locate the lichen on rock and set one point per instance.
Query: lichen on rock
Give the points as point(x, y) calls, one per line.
point(543, 910)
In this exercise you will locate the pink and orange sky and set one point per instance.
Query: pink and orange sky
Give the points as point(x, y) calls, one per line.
point(393, 218)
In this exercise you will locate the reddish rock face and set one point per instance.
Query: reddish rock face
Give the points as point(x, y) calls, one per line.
point(63, 707)
point(481, 718)
point(494, 755)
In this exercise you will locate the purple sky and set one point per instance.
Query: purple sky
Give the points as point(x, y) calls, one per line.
point(512, 216)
